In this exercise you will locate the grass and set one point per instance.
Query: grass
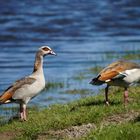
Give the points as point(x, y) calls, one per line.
point(134, 56)
point(95, 70)
point(79, 91)
point(127, 131)
point(54, 85)
point(80, 76)
point(86, 74)
point(87, 110)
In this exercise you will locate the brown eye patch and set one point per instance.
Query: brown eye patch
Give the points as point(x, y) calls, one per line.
point(45, 49)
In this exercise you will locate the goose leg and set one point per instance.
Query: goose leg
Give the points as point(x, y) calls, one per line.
point(106, 95)
point(21, 112)
point(24, 112)
point(126, 96)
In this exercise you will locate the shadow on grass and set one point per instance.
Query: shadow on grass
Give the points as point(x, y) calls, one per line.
point(14, 118)
point(9, 120)
point(137, 119)
point(95, 103)
point(100, 102)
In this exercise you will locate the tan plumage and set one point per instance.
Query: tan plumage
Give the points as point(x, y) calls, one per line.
point(23, 90)
point(115, 69)
point(120, 73)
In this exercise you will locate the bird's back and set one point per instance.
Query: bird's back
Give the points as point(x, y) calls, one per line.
point(115, 70)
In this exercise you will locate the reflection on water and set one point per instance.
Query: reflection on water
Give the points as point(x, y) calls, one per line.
point(84, 34)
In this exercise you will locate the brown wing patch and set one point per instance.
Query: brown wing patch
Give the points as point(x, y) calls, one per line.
point(114, 69)
point(108, 75)
point(6, 96)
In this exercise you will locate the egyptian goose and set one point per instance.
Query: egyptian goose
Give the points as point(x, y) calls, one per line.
point(23, 90)
point(121, 73)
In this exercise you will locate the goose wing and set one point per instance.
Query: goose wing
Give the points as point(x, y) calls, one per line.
point(9, 92)
point(117, 70)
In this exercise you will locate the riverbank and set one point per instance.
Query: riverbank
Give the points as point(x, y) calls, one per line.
point(87, 118)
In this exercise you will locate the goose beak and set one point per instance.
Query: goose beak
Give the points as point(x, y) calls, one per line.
point(53, 53)
point(90, 82)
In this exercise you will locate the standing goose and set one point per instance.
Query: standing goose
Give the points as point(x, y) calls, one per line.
point(121, 73)
point(23, 90)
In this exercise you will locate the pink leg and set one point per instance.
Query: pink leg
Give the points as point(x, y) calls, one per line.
point(125, 96)
point(21, 112)
point(24, 113)
point(106, 95)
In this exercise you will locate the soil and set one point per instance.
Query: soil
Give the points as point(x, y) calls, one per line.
point(75, 132)
point(79, 131)
point(8, 135)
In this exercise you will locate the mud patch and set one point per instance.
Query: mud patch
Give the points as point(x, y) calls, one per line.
point(120, 118)
point(70, 133)
point(80, 131)
point(7, 135)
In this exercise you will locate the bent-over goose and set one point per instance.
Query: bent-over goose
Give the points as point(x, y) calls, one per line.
point(23, 90)
point(121, 73)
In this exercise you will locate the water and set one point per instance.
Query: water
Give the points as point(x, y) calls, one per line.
point(84, 33)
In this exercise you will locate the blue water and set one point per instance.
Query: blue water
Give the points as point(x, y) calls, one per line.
point(81, 32)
